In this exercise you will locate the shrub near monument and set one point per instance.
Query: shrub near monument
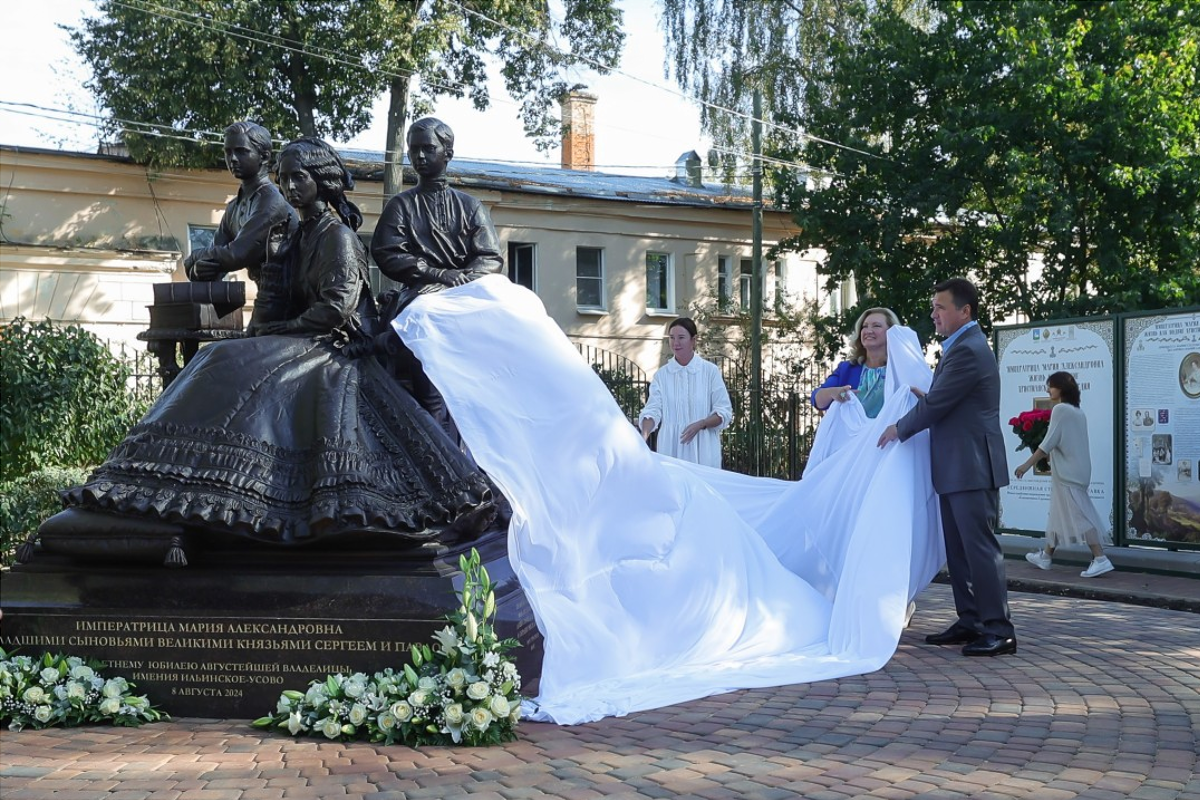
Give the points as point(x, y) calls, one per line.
point(66, 401)
point(65, 405)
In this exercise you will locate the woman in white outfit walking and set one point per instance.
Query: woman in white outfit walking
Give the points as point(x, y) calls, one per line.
point(1073, 518)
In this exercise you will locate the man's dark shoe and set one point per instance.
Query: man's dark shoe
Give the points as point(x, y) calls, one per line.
point(955, 634)
point(989, 644)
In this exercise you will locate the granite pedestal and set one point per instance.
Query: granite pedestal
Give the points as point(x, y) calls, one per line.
point(224, 636)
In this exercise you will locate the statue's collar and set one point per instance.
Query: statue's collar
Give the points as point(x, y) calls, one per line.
point(263, 180)
point(313, 221)
point(438, 184)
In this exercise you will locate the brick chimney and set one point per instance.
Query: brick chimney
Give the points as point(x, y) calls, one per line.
point(579, 140)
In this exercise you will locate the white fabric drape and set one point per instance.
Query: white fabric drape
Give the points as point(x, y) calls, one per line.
point(656, 581)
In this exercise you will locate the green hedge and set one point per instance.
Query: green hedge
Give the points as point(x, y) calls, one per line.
point(66, 398)
point(26, 501)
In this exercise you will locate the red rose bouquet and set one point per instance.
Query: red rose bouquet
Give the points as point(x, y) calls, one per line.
point(1030, 428)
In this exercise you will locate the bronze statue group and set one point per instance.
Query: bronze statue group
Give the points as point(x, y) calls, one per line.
point(653, 580)
point(297, 433)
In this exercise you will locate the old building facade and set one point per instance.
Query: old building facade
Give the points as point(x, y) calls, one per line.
point(613, 257)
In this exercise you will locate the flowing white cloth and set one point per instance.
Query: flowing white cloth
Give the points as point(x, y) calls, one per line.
point(653, 580)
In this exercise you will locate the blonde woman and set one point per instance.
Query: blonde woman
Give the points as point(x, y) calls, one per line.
point(863, 374)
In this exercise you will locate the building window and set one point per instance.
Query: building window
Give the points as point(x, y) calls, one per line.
point(842, 297)
point(200, 237)
point(774, 277)
point(660, 289)
point(589, 278)
point(745, 281)
point(724, 283)
point(779, 273)
point(521, 264)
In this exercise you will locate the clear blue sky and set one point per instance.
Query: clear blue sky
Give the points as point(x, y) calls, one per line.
point(41, 69)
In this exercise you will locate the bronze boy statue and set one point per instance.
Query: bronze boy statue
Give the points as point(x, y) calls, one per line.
point(431, 237)
point(241, 239)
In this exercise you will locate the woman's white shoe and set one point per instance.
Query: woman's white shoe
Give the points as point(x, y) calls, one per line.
point(1099, 566)
point(1039, 559)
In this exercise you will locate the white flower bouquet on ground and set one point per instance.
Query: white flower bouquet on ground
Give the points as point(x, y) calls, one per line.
point(462, 690)
point(66, 690)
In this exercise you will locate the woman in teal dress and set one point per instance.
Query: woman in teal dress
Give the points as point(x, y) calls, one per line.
point(864, 373)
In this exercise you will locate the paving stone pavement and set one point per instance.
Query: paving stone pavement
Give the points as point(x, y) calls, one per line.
point(1102, 701)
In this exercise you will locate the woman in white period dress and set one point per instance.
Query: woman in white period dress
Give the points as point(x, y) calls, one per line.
point(654, 580)
point(689, 405)
point(1073, 518)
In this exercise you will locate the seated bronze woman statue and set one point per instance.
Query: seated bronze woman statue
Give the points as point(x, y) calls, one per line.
point(294, 436)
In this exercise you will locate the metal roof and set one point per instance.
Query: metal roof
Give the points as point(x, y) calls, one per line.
point(566, 182)
point(368, 165)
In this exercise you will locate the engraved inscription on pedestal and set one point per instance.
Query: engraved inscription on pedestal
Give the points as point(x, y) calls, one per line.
point(225, 645)
point(176, 657)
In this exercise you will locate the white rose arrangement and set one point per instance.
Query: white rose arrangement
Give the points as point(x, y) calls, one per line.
point(462, 690)
point(57, 690)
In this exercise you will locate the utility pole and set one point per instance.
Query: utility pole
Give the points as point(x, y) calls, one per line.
point(756, 285)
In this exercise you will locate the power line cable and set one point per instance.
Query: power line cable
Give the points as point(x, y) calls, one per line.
point(216, 140)
point(152, 129)
point(200, 21)
point(258, 37)
point(609, 68)
point(157, 130)
point(779, 162)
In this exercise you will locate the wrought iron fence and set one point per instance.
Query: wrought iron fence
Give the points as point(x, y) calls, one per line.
point(624, 378)
point(789, 422)
point(145, 384)
point(780, 450)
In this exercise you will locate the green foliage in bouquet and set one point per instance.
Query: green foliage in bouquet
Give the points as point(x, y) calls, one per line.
point(66, 690)
point(462, 690)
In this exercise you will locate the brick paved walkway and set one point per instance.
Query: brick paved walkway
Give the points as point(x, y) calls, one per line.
point(1102, 701)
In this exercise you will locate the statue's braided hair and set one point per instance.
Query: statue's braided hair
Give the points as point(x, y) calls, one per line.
point(329, 172)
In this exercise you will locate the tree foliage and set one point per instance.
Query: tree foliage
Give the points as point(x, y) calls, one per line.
point(28, 500)
point(175, 73)
point(1048, 149)
point(66, 401)
point(188, 68)
point(449, 44)
point(721, 50)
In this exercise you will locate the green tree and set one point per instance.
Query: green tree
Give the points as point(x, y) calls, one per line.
point(174, 73)
point(1060, 132)
point(314, 67)
point(721, 50)
point(66, 401)
point(448, 44)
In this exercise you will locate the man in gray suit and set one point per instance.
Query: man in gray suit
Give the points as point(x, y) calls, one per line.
point(962, 413)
